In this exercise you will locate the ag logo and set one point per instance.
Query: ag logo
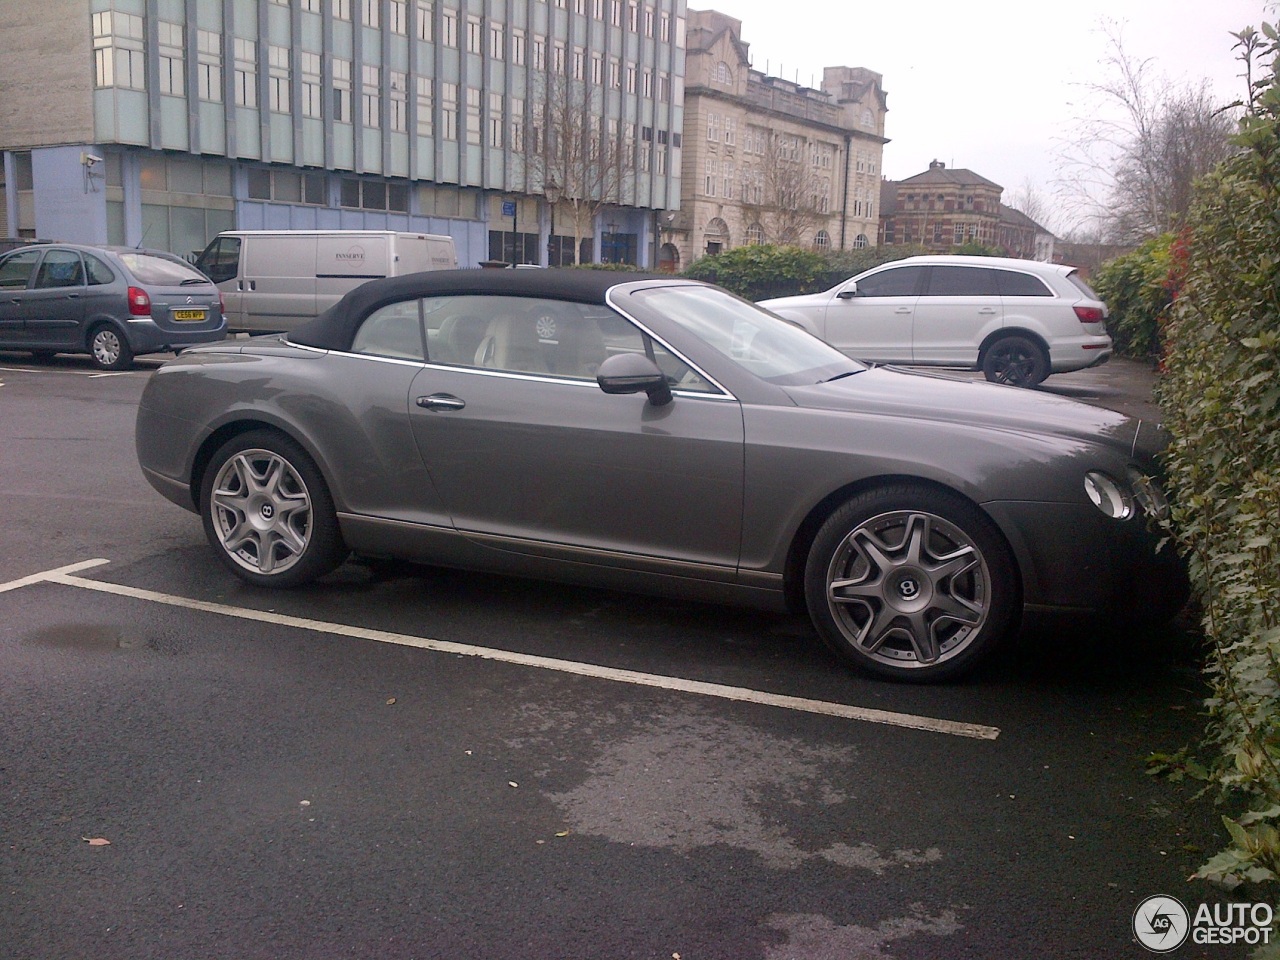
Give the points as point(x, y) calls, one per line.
point(1161, 924)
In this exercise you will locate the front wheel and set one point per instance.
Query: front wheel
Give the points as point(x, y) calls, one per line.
point(910, 583)
point(1017, 361)
point(268, 513)
point(109, 349)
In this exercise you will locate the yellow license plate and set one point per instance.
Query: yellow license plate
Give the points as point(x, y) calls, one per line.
point(188, 314)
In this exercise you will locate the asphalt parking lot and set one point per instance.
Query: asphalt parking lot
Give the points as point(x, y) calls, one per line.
point(410, 762)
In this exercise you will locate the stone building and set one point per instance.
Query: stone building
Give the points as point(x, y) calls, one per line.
point(944, 208)
point(766, 160)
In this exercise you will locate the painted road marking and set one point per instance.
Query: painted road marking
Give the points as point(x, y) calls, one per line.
point(65, 576)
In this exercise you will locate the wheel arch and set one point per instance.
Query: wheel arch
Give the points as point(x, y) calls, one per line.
point(234, 428)
point(97, 321)
point(802, 540)
point(997, 335)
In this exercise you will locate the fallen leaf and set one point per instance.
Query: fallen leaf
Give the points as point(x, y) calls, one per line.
point(97, 841)
point(390, 701)
point(563, 833)
point(512, 783)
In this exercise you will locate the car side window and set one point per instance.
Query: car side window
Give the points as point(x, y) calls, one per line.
point(15, 269)
point(961, 282)
point(98, 272)
point(1015, 284)
point(60, 268)
point(894, 282)
point(391, 331)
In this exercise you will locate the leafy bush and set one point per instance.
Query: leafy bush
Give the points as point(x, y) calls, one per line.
point(1221, 397)
point(759, 271)
point(1138, 288)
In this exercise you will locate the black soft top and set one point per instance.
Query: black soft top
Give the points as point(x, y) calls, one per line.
point(336, 327)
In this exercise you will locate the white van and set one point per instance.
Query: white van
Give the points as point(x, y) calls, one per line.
point(273, 280)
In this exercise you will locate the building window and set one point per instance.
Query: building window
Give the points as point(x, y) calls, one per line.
point(661, 160)
point(449, 111)
point(823, 240)
point(517, 125)
point(727, 179)
point(755, 234)
point(959, 233)
point(369, 14)
point(730, 131)
point(398, 102)
point(497, 41)
point(309, 67)
point(287, 186)
point(579, 63)
point(539, 53)
point(648, 21)
point(209, 65)
point(473, 115)
point(597, 69)
point(517, 47)
point(646, 84)
point(861, 240)
point(615, 74)
point(117, 50)
point(399, 16)
point(374, 195)
point(173, 79)
point(426, 103)
point(371, 96)
point(341, 9)
point(615, 12)
point(425, 14)
point(475, 35)
point(631, 78)
point(557, 58)
point(246, 77)
point(711, 171)
point(341, 90)
point(449, 28)
point(278, 79)
point(664, 28)
point(496, 122)
point(713, 127)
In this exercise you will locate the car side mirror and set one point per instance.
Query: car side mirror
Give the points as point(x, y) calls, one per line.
point(634, 373)
point(848, 293)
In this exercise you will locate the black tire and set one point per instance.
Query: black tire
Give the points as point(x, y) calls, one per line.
point(109, 349)
point(268, 513)
point(911, 583)
point(1017, 361)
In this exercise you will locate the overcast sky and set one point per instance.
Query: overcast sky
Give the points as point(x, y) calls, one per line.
point(992, 85)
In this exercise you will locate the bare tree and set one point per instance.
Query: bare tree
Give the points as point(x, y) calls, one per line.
point(580, 160)
point(1029, 200)
point(784, 194)
point(1131, 163)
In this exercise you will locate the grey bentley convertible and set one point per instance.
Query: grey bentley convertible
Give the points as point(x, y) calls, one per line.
point(660, 435)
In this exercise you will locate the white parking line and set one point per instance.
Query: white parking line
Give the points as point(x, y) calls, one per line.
point(63, 575)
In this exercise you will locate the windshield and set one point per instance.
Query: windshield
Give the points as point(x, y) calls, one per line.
point(756, 340)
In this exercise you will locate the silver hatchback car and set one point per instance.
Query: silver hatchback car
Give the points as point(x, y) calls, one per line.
point(110, 302)
point(1015, 320)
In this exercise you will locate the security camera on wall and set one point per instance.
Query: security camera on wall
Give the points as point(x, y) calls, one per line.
point(90, 159)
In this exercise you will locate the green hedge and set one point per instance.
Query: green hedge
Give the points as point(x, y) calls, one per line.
point(1138, 289)
point(760, 271)
point(1221, 397)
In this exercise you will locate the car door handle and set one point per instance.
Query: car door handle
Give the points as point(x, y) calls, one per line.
point(987, 311)
point(441, 401)
point(903, 310)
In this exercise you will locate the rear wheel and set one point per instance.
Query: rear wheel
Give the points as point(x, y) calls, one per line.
point(910, 583)
point(108, 349)
point(268, 513)
point(1017, 361)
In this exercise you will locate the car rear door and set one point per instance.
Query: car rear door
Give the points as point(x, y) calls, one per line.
point(874, 323)
point(959, 307)
point(530, 455)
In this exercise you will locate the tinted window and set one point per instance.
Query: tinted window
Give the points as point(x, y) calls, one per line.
point(961, 282)
point(161, 271)
point(1022, 285)
point(99, 272)
point(1078, 282)
point(391, 331)
point(895, 282)
point(16, 268)
point(60, 268)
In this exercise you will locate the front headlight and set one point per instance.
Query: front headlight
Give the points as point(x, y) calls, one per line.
point(1109, 495)
point(1149, 495)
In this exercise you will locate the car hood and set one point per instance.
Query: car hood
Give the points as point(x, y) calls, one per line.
point(891, 392)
